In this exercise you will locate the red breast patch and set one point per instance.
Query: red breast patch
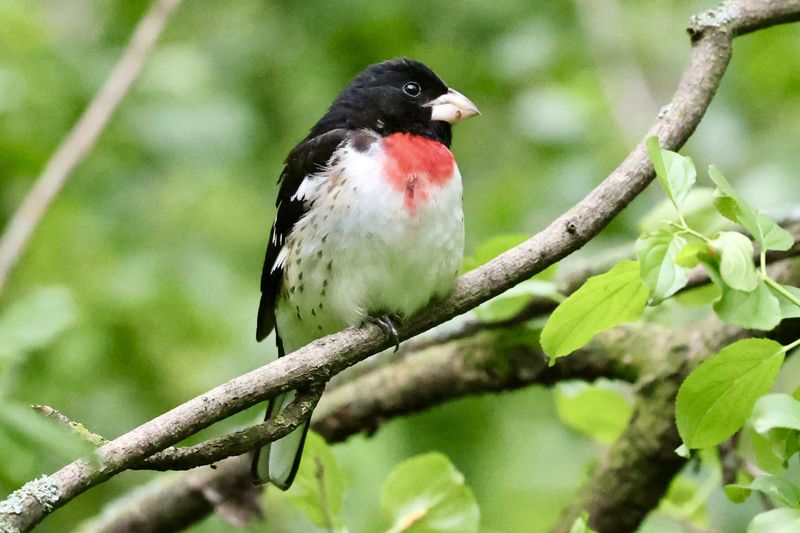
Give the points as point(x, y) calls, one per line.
point(413, 164)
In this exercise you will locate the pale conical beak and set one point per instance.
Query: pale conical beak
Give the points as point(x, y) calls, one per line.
point(452, 107)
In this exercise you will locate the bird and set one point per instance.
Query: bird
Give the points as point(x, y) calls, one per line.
point(369, 225)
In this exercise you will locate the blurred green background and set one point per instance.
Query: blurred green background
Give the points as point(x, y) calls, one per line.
point(140, 288)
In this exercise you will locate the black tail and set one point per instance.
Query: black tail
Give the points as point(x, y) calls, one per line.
point(278, 461)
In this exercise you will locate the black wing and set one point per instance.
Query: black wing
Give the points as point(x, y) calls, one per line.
point(312, 155)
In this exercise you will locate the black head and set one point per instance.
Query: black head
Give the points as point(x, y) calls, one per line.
point(398, 95)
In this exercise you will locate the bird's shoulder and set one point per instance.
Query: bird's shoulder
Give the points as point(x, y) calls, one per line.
point(314, 154)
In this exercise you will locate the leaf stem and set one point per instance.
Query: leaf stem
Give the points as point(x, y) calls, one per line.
point(685, 228)
point(763, 263)
point(778, 287)
point(791, 346)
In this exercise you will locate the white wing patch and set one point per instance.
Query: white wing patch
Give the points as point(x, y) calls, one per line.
point(280, 260)
point(309, 187)
point(277, 239)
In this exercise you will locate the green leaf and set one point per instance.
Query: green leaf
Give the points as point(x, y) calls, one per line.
point(603, 302)
point(779, 488)
point(711, 264)
point(34, 321)
point(776, 411)
point(788, 308)
point(792, 445)
point(657, 252)
point(776, 521)
point(699, 296)
point(318, 489)
point(728, 201)
point(736, 262)
point(737, 493)
point(726, 206)
point(684, 499)
point(697, 209)
point(675, 172)
point(688, 256)
point(488, 250)
point(769, 457)
point(767, 233)
point(772, 236)
point(599, 410)
point(718, 396)
point(759, 309)
point(426, 494)
point(777, 445)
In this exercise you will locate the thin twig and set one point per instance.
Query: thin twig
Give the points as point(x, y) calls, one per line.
point(238, 442)
point(212, 450)
point(76, 427)
point(82, 137)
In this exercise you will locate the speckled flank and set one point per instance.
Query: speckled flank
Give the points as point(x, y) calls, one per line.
point(359, 249)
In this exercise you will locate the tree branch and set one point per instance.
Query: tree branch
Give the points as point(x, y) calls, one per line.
point(420, 381)
point(497, 356)
point(318, 361)
point(83, 136)
point(176, 503)
point(492, 361)
point(636, 471)
point(501, 355)
point(632, 475)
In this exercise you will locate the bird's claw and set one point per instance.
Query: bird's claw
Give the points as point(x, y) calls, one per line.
point(387, 325)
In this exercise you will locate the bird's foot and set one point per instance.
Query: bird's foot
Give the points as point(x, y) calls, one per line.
point(388, 324)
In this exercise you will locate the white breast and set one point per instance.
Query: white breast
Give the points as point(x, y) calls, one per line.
point(359, 250)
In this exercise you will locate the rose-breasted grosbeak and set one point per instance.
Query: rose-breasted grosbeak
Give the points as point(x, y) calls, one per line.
point(369, 223)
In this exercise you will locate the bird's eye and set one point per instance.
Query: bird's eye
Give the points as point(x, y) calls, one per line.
point(412, 89)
